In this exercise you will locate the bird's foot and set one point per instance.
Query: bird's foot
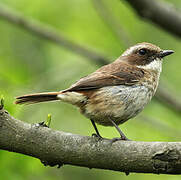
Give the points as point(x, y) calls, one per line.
point(124, 138)
point(97, 136)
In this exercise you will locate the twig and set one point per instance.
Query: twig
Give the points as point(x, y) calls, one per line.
point(159, 126)
point(108, 18)
point(59, 148)
point(49, 33)
point(167, 98)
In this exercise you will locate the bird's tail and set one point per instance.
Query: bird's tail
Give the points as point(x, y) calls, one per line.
point(37, 97)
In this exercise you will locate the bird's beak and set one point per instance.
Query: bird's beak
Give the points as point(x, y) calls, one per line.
point(164, 53)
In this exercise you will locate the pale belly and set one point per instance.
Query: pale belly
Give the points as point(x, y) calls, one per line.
point(119, 103)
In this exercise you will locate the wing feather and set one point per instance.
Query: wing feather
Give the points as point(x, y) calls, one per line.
point(117, 73)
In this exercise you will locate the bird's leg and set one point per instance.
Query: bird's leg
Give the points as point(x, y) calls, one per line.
point(123, 137)
point(97, 132)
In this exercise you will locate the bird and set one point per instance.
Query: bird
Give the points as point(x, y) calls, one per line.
point(115, 92)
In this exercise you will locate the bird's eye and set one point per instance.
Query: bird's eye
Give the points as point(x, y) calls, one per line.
point(142, 52)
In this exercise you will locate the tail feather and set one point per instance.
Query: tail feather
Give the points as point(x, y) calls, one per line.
point(37, 98)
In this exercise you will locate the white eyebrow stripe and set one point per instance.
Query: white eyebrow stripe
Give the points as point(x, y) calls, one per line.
point(133, 48)
point(140, 46)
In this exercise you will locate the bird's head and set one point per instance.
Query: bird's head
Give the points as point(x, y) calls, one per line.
point(146, 56)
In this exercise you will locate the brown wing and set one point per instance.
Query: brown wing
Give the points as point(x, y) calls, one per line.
point(117, 73)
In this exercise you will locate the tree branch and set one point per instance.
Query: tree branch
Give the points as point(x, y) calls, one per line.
point(110, 20)
point(58, 148)
point(167, 98)
point(49, 33)
point(161, 13)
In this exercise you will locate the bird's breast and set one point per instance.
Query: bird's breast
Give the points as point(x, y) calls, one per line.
point(119, 103)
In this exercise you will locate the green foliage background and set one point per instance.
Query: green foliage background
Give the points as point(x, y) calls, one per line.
point(31, 64)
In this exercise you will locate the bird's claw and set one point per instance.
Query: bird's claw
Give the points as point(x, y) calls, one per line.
point(113, 140)
point(97, 136)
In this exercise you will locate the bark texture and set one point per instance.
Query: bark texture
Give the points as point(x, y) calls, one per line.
point(59, 148)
